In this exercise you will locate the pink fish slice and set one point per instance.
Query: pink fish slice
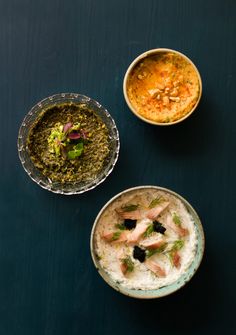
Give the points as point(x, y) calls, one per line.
point(109, 236)
point(153, 213)
point(155, 268)
point(151, 245)
point(138, 214)
point(137, 233)
point(176, 228)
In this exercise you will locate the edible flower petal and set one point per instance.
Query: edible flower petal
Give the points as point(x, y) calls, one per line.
point(74, 136)
point(67, 127)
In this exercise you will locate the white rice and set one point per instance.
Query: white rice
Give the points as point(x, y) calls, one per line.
point(142, 278)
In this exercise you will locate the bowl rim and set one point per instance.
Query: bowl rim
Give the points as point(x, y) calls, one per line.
point(65, 96)
point(134, 293)
point(145, 55)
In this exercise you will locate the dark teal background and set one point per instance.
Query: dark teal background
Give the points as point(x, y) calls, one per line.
point(48, 284)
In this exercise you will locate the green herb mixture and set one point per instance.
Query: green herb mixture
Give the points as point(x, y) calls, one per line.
point(69, 143)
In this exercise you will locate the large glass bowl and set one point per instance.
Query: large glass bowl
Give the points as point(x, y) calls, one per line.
point(67, 188)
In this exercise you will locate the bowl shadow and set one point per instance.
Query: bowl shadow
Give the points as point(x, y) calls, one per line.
point(184, 311)
point(194, 136)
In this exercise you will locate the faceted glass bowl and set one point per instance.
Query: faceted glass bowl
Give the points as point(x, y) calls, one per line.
point(67, 188)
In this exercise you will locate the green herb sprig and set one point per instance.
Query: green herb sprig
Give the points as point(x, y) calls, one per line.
point(129, 208)
point(128, 262)
point(156, 202)
point(159, 250)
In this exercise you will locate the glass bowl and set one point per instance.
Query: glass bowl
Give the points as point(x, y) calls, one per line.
point(67, 188)
point(166, 289)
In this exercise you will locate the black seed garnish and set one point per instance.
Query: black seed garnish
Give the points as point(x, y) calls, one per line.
point(139, 254)
point(130, 224)
point(158, 227)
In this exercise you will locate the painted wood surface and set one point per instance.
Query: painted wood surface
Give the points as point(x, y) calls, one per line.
point(48, 284)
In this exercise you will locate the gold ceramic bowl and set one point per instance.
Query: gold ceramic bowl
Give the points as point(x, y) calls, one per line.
point(162, 87)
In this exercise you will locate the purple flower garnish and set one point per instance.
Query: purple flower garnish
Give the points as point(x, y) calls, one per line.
point(83, 134)
point(74, 136)
point(67, 127)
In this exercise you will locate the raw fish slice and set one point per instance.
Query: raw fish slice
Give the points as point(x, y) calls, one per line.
point(137, 233)
point(176, 228)
point(152, 244)
point(123, 266)
point(176, 259)
point(137, 214)
point(155, 268)
point(153, 213)
point(109, 236)
point(123, 237)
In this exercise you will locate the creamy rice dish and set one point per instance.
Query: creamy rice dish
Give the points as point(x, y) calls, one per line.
point(145, 239)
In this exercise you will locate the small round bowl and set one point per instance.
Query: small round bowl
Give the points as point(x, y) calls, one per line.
point(67, 188)
point(164, 290)
point(138, 61)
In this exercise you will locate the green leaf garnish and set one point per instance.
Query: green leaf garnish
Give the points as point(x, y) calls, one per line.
point(129, 208)
point(120, 226)
point(128, 262)
point(77, 151)
point(149, 230)
point(177, 245)
point(176, 219)
point(55, 139)
point(116, 235)
point(159, 250)
point(156, 202)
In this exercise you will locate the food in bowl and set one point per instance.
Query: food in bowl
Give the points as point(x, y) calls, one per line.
point(162, 86)
point(144, 239)
point(69, 142)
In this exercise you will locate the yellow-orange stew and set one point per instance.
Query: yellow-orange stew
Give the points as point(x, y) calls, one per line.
point(163, 87)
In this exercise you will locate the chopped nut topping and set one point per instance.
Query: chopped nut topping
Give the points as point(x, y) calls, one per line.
point(174, 92)
point(160, 86)
point(176, 99)
point(176, 83)
point(154, 92)
point(165, 100)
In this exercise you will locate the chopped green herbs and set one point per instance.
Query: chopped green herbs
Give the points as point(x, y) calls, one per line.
point(59, 130)
point(128, 262)
point(116, 235)
point(120, 226)
point(76, 152)
point(176, 219)
point(177, 245)
point(129, 208)
point(156, 202)
point(62, 138)
point(159, 250)
point(149, 230)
